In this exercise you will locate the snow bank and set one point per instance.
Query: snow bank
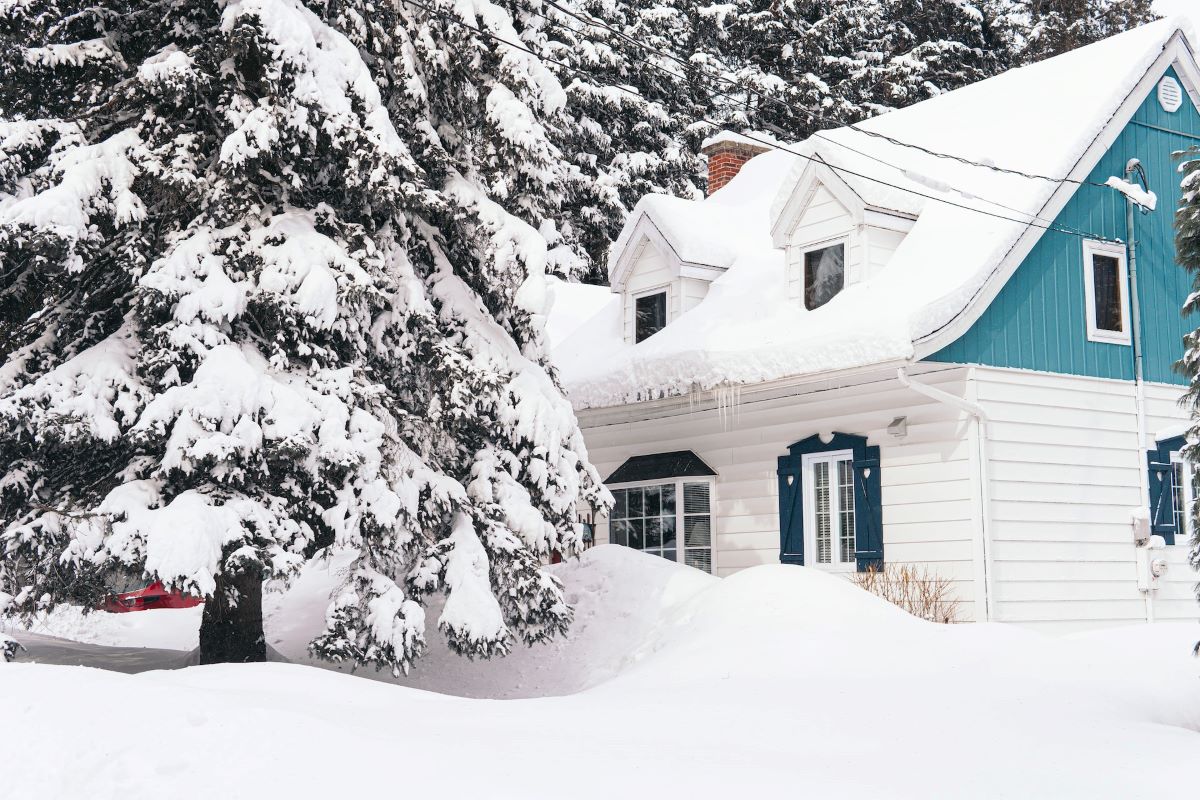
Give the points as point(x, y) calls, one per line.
point(778, 679)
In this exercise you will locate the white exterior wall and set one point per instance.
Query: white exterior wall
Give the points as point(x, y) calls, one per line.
point(1065, 474)
point(930, 502)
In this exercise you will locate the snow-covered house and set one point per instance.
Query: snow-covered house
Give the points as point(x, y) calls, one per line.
point(917, 341)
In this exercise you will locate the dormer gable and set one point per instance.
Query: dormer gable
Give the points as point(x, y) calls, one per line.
point(655, 284)
point(832, 238)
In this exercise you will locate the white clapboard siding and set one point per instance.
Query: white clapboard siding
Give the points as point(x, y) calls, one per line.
point(930, 505)
point(1065, 472)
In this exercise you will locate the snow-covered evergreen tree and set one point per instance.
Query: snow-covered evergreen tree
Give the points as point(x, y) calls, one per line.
point(629, 129)
point(1187, 253)
point(272, 281)
point(1057, 26)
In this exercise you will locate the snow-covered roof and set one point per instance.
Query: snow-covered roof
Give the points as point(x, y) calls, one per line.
point(712, 232)
point(972, 227)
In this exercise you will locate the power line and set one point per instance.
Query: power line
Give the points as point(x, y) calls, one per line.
point(812, 115)
point(1050, 226)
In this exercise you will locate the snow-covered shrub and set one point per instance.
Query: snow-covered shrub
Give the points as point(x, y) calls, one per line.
point(8, 648)
point(917, 589)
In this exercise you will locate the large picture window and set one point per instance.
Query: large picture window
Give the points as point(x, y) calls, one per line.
point(652, 517)
point(1105, 282)
point(824, 274)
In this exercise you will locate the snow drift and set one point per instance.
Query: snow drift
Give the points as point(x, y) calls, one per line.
point(778, 678)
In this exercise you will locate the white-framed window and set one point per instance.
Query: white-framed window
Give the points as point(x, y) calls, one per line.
point(1183, 494)
point(824, 272)
point(669, 518)
point(829, 509)
point(649, 313)
point(1106, 281)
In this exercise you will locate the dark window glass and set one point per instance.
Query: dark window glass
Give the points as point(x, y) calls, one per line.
point(824, 275)
point(1106, 283)
point(651, 315)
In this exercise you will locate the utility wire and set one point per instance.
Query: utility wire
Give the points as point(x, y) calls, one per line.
point(1032, 221)
point(595, 23)
point(812, 115)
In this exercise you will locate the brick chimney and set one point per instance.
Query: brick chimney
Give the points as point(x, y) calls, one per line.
point(727, 152)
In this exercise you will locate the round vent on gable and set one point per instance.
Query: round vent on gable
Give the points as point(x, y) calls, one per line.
point(1170, 94)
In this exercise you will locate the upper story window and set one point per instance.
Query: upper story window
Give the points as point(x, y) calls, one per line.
point(824, 274)
point(650, 315)
point(1105, 282)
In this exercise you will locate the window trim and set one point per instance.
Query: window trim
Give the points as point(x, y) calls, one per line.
point(844, 241)
point(1091, 248)
point(678, 483)
point(665, 291)
point(808, 477)
point(1189, 497)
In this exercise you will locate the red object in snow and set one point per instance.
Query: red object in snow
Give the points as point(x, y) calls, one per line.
point(153, 596)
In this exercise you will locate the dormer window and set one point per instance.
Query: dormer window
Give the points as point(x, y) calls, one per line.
point(650, 315)
point(824, 274)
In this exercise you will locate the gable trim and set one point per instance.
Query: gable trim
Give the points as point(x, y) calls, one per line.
point(816, 174)
point(1175, 53)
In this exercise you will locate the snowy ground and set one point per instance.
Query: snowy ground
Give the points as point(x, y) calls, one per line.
point(777, 680)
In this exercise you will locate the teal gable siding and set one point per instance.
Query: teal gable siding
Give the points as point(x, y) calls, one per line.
point(1038, 319)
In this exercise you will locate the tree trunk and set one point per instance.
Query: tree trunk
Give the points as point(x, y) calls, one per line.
point(231, 631)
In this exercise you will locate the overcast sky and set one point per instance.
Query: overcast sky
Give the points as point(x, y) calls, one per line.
point(1189, 7)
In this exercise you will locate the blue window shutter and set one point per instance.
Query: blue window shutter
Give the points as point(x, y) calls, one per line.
point(1161, 475)
point(1162, 511)
point(791, 511)
point(868, 504)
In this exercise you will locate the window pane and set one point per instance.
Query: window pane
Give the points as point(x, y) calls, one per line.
point(846, 510)
point(619, 532)
point(668, 500)
point(697, 531)
point(824, 275)
point(636, 538)
point(652, 502)
point(668, 531)
point(634, 500)
point(651, 314)
point(1106, 280)
point(1178, 503)
point(700, 559)
point(619, 508)
point(822, 511)
point(653, 532)
point(669, 555)
point(695, 498)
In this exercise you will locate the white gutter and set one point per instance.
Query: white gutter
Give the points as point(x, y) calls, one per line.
point(1139, 383)
point(981, 424)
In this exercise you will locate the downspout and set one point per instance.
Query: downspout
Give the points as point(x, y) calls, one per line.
point(1132, 168)
point(981, 424)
